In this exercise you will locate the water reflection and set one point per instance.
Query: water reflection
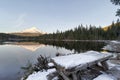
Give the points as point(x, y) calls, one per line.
point(32, 46)
point(15, 55)
point(80, 46)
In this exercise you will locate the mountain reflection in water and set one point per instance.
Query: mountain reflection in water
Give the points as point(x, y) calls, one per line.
point(32, 46)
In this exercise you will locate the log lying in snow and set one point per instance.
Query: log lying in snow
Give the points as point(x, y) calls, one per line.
point(70, 64)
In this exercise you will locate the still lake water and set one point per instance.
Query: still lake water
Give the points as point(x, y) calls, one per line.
point(13, 56)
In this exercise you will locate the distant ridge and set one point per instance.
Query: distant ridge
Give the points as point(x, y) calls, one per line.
point(107, 27)
point(33, 31)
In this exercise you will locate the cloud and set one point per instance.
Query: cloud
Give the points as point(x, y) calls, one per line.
point(20, 20)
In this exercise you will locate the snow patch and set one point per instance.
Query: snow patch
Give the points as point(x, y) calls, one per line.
point(40, 75)
point(77, 59)
point(116, 42)
point(112, 46)
point(105, 77)
point(50, 64)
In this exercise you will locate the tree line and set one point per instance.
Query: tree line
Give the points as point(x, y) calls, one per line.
point(86, 33)
point(11, 37)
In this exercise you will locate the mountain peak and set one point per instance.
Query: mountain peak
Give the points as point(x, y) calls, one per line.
point(32, 30)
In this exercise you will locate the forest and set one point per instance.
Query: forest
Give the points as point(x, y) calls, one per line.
point(90, 32)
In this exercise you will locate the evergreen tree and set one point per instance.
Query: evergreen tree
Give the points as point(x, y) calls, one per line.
point(116, 2)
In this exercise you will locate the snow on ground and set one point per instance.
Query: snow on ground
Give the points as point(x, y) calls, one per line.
point(74, 60)
point(105, 77)
point(50, 64)
point(77, 59)
point(40, 75)
point(116, 42)
point(118, 67)
point(108, 47)
point(111, 65)
point(112, 46)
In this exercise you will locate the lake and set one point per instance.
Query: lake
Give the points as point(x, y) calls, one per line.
point(15, 55)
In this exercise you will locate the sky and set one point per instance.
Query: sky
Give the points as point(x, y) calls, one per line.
point(52, 15)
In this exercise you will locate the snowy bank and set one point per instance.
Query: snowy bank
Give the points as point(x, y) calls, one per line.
point(112, 46)
point(116, 42)
point(69, 61)
point(40, 75)
point(111, 74)
point(105, 77)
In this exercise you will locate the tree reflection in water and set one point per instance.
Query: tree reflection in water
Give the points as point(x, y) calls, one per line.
point(77, 46)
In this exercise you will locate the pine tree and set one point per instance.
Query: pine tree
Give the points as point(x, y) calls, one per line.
point(116, 2)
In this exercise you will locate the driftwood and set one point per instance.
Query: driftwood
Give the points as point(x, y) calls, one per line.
point(71, 73)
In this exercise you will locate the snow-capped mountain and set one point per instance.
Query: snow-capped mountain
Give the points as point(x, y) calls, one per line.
point(29, 32)
point(32, 30)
